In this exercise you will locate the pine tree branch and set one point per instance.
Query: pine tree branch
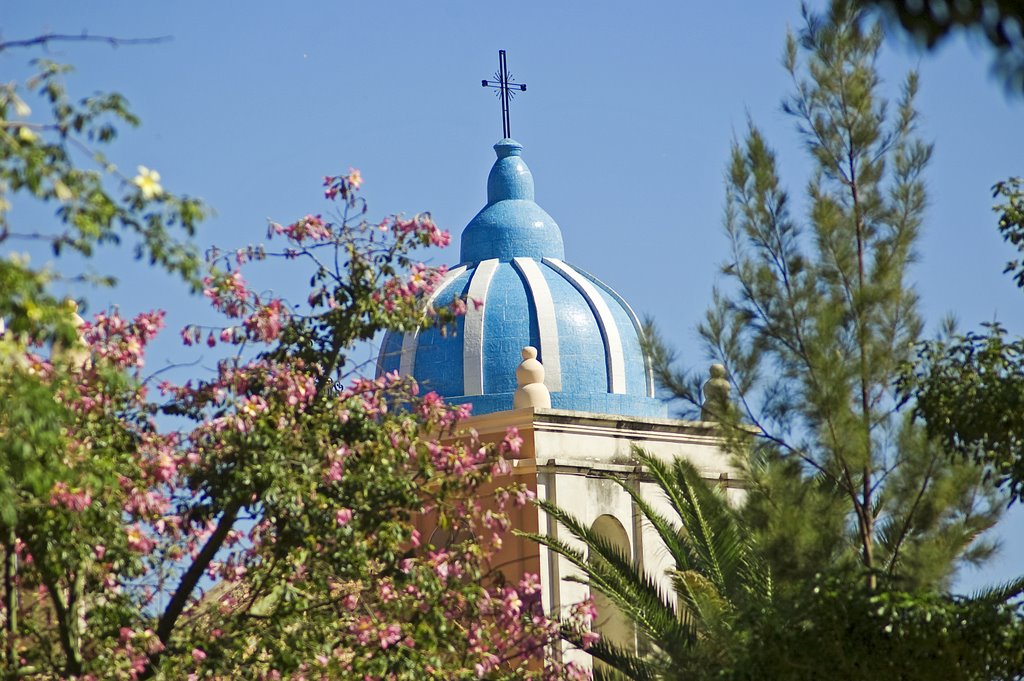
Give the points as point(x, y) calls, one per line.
point(908, 520)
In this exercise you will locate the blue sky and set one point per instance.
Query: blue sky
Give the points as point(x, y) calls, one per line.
point(626, 125)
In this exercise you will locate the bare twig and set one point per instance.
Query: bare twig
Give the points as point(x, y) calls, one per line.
point(46, 38)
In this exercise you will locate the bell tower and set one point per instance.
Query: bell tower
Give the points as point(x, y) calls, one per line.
point(549, 349)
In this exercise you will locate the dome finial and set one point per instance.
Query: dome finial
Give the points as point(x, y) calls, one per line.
point(510, 178)
point(511, 225)
point(508, 147)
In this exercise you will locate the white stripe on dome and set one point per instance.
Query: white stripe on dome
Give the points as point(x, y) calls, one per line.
point(473, 328)
point(616, 359)
point(547, 322)
point(637, 326)
point(411, 340)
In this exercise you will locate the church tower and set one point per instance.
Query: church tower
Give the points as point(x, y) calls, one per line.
point(573, 349)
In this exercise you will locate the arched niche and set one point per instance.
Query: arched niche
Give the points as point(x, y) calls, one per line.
point(613, 626)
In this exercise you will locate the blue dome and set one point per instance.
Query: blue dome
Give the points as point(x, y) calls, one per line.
point(587, 337)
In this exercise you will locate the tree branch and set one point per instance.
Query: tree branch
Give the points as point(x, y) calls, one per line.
point(165, 627)
point(46, 38)
point(11, 602)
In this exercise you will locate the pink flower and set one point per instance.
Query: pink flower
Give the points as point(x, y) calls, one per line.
point(99, 551)
point(355, 178)
point(334, 471)
point(590, 638)
point(343, 516)
point(513, 442)
point(584, 610)
point(389, 635)
point(523, 495)
point(73, 499)
point(138, 540)
point(198, 655)
point(530, 583)
point(265, 323)
point(335, 464)
point(387, 592)
point(440, 561)
point(512, 603)
point(310, 227)
point(489, 662)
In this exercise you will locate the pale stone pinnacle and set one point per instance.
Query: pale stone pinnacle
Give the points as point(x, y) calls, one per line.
point(530, 378)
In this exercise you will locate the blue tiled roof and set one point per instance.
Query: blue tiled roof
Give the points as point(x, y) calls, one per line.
point(588, 338)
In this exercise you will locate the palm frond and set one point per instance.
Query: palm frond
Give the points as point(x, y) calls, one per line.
point(678, 545)
point(716, 543)
point(703, 600)
point(636, 593)
point(717, 566)
point(671, 534)
point(676, 485)
point(625, 665)
point(1000, 593)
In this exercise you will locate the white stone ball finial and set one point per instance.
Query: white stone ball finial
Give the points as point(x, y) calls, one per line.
point(530, 378)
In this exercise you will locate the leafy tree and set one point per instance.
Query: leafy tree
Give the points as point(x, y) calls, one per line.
point(970, 388)
point(834, 628)
point(726, 617)
point(95, 206)
point(258, 522)
point(1000, 21)
point(816, 322)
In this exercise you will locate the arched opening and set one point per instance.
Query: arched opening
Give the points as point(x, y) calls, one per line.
point(611, 624)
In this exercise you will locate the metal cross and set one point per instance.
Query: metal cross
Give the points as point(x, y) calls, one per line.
point(505, 89)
